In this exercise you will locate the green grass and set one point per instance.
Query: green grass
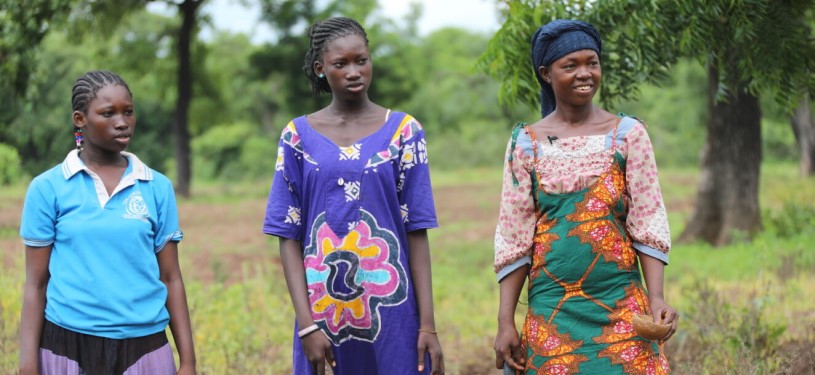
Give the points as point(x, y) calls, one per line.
point(744, 306)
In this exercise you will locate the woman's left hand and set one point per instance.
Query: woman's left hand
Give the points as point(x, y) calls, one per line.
point(429, 343)
point(664, 314)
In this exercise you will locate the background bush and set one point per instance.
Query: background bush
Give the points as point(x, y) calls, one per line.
point(10, 171)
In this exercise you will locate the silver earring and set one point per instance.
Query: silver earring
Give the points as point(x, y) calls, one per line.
point(321, 75)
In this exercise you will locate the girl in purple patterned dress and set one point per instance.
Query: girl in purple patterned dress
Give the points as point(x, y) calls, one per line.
point(351, 203)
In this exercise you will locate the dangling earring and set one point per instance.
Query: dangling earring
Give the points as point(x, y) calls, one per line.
point(321, 75)
point(78, 137)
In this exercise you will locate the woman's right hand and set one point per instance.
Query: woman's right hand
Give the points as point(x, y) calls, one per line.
point(508, 348)
point(318, 350)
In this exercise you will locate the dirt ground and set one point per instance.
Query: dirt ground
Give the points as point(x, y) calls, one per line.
point(226, 241)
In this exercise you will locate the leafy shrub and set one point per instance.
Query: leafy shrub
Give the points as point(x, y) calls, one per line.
point(234, 151)
point(791, 220)
point(10, 170)
point(719, 336)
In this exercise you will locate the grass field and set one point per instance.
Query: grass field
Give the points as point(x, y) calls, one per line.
point(748, 308)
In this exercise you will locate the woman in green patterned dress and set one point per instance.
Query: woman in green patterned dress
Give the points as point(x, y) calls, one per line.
point(581, 212)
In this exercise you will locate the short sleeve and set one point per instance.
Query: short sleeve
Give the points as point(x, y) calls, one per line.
point(39, 216)
point(167, 227)
point(284, 210)
point(516, 218)
point(647, 221)
point(414, 189)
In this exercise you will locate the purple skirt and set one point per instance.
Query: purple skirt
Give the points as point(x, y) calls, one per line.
point(65, 352)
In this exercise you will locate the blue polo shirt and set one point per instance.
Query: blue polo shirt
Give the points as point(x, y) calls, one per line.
point(104, 270)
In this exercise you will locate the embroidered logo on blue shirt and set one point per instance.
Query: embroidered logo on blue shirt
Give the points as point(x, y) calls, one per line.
point(135, 207)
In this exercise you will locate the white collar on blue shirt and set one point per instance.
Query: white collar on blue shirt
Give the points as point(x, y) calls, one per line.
point(73, 164)
point(138, 171)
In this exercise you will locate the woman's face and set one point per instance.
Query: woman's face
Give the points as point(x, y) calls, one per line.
point(109, 122)
point(347, 66)
point(575, 78)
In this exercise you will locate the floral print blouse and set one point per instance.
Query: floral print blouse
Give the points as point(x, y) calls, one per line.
point(567, 165)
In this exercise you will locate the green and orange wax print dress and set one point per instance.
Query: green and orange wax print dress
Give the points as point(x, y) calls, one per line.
point(578, 210)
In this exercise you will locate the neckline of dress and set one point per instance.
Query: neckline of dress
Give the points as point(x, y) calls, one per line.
point(612, 131)
point(612, 161)
point(358, 141)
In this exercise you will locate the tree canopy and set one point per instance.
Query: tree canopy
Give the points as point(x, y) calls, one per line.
point(748, 47)
point(642, 40)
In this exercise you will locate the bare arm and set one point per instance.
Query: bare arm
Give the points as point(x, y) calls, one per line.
point(653, 270)
point(316, 346)
point(180, 326)
point(419, 259)
point(507, 342)
point(33, 311)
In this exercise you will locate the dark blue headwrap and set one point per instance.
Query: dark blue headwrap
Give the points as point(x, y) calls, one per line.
point(555, 40)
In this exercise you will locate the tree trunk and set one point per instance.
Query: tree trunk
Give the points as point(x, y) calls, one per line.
point(804, 129)
point(188, 10)
point(727, 196)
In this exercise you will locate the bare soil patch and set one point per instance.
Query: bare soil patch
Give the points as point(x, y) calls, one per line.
point(224, 242)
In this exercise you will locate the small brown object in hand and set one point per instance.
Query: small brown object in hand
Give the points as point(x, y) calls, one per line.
point(645, 326)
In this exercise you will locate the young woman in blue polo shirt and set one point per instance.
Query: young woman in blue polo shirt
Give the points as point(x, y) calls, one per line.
point(101, 233)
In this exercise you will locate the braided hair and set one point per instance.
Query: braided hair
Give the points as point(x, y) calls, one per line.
point(319, 35)
point(85, 89)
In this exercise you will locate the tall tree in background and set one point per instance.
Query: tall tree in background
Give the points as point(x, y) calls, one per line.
point(748, 47)
point(804, 128)
point(801, 120)
point(186, 33)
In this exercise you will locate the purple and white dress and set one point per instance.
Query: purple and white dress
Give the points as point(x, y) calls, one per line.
point(352, 208)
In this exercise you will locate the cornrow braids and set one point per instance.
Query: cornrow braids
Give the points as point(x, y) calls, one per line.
point(86, 87)
point(319, 35)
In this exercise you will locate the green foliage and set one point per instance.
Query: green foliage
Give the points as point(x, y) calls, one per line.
point(460, 99)
point(11, 298)
point(756, 45)
point(632, 33)
point(674, 114)
point(391, 46)
point(745, 341)
point(9, 165)
point(778, 140)
point(227, 91)
point(23, 24)
point(282, 62)
point(239, 327)
point(233, 151)
point(791, 220)
point(42, 131)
